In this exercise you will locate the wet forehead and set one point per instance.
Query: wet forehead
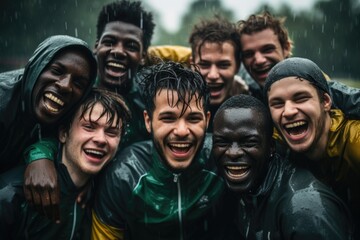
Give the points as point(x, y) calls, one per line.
point(257, 39)
point(122, 30)
point(166, 100)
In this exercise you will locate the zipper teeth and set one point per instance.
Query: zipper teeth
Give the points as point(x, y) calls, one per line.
point(74, 222)
point(179, 205)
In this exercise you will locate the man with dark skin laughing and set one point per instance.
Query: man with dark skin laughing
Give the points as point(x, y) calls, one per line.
point(34, 101)
point(274, 199)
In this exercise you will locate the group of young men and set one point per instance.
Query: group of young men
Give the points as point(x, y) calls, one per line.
point(197, 160)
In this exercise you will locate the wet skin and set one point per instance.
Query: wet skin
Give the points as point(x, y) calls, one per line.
point(90, 144)
point(119, 53)
point(240, 148)
point(61, 85)
point(176, 138)
point(218, 66)
point(260, 52)
point(300, 117)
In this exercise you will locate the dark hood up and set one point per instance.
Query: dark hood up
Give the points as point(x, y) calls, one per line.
point(42, 56)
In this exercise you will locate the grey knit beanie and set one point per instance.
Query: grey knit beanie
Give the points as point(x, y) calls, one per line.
point(296, 67)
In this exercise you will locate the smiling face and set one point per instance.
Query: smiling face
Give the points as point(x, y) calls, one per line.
point(89, 144)
point(241, 150)
point(218, 67)
point(176, 138)
point(61, 85)
point(297, 112)
point(119, 52)
point(260, 52)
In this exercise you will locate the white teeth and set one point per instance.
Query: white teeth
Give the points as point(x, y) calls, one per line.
point(295, 124)
point(95, 152)
point(117, 65)
point(181, 145)
point(51, 108)
point(237, 167)
point(237, 171)
point(54, 99)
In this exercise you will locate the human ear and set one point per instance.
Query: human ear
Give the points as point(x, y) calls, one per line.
point(327, 102)
point(62, 134)
point(95, 47)
point(147, 120)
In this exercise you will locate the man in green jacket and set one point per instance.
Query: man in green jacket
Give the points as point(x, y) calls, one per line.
point(88, 142)
point(165, 188)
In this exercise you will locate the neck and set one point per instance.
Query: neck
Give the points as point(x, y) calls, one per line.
point(78, 177)
point(318, 151)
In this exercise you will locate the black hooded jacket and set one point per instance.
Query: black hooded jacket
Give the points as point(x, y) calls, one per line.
point(18, 124)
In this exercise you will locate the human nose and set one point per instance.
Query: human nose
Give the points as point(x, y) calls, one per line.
point(289, 109)
point(181, 129)
point(234, 151)
point(118, 50)
point(259, 58)
point(213, 73)
point(99, 137)
point(64, 84)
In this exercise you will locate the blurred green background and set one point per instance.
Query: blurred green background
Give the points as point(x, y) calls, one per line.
point(328, 33)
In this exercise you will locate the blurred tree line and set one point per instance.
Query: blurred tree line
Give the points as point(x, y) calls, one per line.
point(328, 34)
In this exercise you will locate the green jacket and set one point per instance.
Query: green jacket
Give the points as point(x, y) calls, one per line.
point(18, 126)
point(137, 194)
point(21, 221)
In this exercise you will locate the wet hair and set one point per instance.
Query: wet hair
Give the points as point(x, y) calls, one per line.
point(114, 108)
point(169, 75)
point(249, 102)
point(129, 12)
point(215, 30)
point(257, 23)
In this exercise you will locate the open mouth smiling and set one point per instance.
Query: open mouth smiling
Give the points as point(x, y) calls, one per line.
point(53, 103)
point(180, 148)
point(215, 89)
point(237, 171)
point(115, 69)
point(95, 153)
point(296, 128)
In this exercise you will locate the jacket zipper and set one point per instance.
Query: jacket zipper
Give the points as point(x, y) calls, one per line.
point(177, 181)
point(74, 222)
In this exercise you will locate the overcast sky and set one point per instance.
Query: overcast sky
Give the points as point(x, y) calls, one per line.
point(171, 11)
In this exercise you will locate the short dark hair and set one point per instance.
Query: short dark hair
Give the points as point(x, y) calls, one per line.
point(169, 75)
point(129, 12)
point(250, 102)
point(215, 30)
point(114, 106)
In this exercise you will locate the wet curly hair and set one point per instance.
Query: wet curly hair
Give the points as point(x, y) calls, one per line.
point(188, 83)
